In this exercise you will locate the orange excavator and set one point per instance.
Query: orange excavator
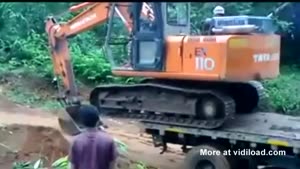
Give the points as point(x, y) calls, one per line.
point(189, 80)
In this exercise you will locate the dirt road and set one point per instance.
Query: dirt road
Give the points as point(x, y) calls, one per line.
point(140, 146)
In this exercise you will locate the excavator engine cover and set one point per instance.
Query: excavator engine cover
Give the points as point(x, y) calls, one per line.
point(264, 25)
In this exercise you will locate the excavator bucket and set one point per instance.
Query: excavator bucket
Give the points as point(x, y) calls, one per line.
point(69, 120)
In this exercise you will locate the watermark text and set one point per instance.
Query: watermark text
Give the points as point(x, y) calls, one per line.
point(242, 152)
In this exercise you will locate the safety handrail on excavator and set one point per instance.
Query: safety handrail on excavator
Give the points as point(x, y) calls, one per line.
point(58, 33)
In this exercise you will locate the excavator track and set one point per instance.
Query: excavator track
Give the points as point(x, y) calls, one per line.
point(163, 102)
point(126, 106)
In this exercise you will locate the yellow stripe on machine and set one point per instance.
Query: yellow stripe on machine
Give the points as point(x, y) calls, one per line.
point(176, 130)
point(238, 43)
point(278, 142)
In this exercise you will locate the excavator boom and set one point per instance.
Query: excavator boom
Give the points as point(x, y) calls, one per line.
point(96, 13)
point(58, 34)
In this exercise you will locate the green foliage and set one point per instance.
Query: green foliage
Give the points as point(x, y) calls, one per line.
point(31, 98)
point(283, 91)
point(63, 163)
point(23, 43)
point(22, 165)
point(91, 65)
point(29, 47)
point(29, 165)
point(122, 147)
point(140, 165)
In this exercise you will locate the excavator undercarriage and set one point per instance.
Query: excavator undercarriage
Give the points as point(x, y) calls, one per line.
point(205, 105)
point(182, 103)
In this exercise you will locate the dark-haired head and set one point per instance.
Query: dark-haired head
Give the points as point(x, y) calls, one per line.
point(89, 115)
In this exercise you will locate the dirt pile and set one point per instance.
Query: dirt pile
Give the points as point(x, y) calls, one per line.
point(27, 143)
point(30, 143)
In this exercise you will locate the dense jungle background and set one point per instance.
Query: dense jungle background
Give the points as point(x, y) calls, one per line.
point(24, 48)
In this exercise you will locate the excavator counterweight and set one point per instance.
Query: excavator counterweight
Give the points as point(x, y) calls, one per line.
point(190, 80)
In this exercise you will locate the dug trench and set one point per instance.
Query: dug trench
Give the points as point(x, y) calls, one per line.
point(31, 137)
point(28, 133)
point(30, 143)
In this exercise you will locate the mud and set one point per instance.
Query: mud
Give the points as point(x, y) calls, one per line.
point(30, 137)
point(29, 128)
point(30, 143)
point(27, 143)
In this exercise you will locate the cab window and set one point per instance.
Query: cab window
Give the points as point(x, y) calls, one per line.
point(177, 14)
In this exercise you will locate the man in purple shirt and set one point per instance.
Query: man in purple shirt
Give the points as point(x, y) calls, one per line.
point(93, 148)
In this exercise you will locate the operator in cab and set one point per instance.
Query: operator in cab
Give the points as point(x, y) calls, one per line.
point(218, 11)
point(93, 148)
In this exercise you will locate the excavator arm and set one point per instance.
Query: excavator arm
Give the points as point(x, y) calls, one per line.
point(58, 34)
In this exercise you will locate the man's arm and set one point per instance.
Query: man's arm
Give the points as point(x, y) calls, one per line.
point(114, 155)
point(71, 166)
point(72, 156)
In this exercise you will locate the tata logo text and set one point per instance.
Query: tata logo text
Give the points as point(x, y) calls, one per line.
point(265, 57)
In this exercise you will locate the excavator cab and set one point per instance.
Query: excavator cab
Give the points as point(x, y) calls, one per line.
point(148, 42)
point(147, 45)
